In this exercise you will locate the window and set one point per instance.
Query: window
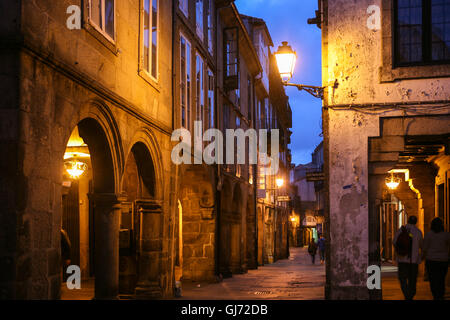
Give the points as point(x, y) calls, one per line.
point(249, 99)
point(150, 35)
point(422, 31)
point(199, 17)
point(102, 16)
point(210, 102)
point(184, 7)
point(231, 57)
point(200, 87)
point(185, 82)
point(210, 26)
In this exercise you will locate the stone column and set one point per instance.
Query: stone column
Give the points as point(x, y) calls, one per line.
point(106, 220)
point(376, 186)
point(150, 248)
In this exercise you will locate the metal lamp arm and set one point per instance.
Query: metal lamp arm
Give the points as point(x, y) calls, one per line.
point(312, 90)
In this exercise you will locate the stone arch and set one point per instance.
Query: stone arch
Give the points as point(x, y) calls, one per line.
point(251, 233)
point(146, 137)
point(103, 227)
point(236, 232)
point(405, 143)
point(99, 111)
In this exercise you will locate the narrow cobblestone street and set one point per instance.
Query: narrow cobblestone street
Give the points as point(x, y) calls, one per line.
point(290, 279)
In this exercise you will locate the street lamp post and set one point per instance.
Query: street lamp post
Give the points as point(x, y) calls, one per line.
point(286, 59)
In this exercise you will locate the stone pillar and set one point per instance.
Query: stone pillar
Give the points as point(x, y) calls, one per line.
point(150, 248)
point(424, 176)
point(106, 220)
point(376, 185)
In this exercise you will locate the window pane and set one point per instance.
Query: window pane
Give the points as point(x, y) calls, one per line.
point(147, 35)
point(183, 4)
point(96, 12)
point(199, 17)
point(200, 84)
point(409, 31)
point(188, 85)
point(210, 101)
point(210, 26)
point(109, 17)
point(183, 81)
point(155, 38)
point(440, 29)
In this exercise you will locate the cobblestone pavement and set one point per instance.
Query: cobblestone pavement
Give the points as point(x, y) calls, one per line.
point(295, 278)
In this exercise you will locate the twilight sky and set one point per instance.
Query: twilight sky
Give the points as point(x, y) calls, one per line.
point(287, 21)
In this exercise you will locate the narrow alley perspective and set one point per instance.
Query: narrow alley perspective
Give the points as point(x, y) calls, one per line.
point(163, 151)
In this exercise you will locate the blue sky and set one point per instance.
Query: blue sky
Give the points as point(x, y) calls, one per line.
point(287, 21)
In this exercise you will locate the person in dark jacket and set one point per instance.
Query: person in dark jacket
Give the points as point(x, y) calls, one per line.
point(312, 250)
point(66, 247)
point(321, 245)
point(436, 252)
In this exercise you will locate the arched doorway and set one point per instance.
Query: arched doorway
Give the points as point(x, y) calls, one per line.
point(251, 232)
point(226, 218)
point(179, 243)
point(89, 215)
point(260, 236)
point(236, 231)
point(138, 191)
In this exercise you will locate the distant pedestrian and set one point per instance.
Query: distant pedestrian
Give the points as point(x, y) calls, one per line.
point(65, 252)
point(321, 245)
point(436, 252)
point(312, 250)
point(408, 242)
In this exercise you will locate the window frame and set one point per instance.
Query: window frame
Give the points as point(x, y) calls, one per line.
point(210, 26)
point(200, 89)
point(102, 11)
point(198, 32)
point(231, 82)
point(147, 74)
point(182, 9)
point(426, 26)
point(188, 89)
point(210, 94)
point(389, 72)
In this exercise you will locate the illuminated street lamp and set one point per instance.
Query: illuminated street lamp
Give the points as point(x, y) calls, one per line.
point(286, 59)
point(392, 182)
point(279, 182)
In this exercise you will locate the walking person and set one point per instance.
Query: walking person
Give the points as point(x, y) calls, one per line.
point(408, 242)
point(312, 250)
point(321, 245)
point(436, 252)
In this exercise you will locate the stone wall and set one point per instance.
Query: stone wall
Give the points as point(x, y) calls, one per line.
point(352, 64)
point(66, 76)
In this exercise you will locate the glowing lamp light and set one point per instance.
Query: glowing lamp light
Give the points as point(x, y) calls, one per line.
point(75, 168)
point(286, 59)
point(279, 182)
point(392, 182)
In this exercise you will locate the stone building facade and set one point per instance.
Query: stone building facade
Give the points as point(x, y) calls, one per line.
point(87, 124)
point(385, 110)
point(102, 84)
